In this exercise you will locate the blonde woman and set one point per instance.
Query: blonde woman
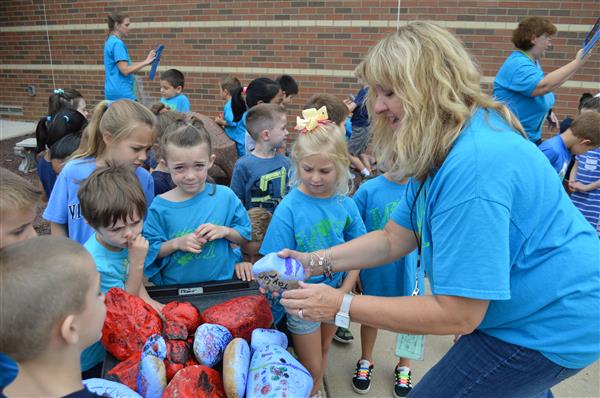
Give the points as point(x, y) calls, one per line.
point(495, 238)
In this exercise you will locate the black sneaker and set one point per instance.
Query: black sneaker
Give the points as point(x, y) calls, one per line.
point(402, 385)
point(343, 335)
point(361, 382)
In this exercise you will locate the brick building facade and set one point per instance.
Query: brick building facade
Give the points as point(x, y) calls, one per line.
point(317, 42)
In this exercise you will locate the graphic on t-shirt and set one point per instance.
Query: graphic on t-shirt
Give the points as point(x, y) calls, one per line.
point(268, 191)
point(75, 211)
point(379, 219)
point(183, 258)
point(321, 234)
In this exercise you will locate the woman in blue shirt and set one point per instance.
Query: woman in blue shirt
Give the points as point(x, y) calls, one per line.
point(521, 83)
point(118, 69)
point(513, 267)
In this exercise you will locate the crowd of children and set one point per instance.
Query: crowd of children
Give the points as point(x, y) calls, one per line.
point(136, 193)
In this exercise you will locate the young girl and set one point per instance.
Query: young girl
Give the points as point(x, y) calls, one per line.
point(232, 112)
point(120, 134)
point(260, 90)
point(191, 227)
point(376, 200)
point(50, 129)
point(315, 215)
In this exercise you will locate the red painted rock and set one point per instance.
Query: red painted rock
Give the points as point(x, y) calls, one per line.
point(179, 356)
point(185, 313)
point(126, 372)
point(195, 382)
point(241, 315)
point(129, 322)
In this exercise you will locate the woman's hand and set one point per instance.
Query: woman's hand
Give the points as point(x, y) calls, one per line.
point(303, 258)
point(318, 302)
point(150, 57)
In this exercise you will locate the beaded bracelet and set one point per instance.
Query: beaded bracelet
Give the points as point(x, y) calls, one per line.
point(323, 262)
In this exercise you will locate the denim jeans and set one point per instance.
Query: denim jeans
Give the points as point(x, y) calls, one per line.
point(481, 366)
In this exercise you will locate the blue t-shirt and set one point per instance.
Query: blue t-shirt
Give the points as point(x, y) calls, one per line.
point(63, 205)
point(8, 371)
point(558, 154)
point(116, 85)
point(376, 200)
point(518, 76)
point(162, 182)
point(348, 126)
point(113, 266)
point(495, 230)
point(588, 171)
point(231, 126)
point(360, 116)
point(304, 223)
point(260, 182)
point(179, 103)
point(238, 135)
point(168, 220)
point(46, 174)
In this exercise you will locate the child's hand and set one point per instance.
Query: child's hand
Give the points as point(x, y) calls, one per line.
point(244, 271)
point(190, 243)
point(577, 186)
point(138, 249)
point(212, 232)
point(220, 121)
point(351, 105)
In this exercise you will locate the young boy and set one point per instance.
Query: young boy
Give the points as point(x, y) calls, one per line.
point(56, 310)
point(225, 119)
point(114, 205)
point(582, 136)
point(171, 87)
point(338, 112)
point(19, 201)
point(260, 177)
point(289, 87)
point(359, 139)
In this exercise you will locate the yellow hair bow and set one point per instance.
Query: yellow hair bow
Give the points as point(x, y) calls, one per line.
point(311, 118)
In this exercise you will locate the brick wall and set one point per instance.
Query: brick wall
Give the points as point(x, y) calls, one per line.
point(318, 42)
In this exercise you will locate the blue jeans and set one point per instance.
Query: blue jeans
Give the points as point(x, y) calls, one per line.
point(481, 366)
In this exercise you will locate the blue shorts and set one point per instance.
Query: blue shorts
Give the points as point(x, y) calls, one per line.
point(296, 325)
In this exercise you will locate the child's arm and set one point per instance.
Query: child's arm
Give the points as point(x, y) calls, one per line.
point(143, 294)
point(138, 249)
point(573, 175)
point(577, 186)
point(244, 271)
point(58, 229)
point(350, 281)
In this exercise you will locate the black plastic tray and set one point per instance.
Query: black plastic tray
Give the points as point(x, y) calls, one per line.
point(201, 295)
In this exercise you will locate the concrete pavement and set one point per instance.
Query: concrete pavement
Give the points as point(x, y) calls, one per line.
point(10, 129)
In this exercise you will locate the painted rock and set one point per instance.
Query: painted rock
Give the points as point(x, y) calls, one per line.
point(128, 324)
point(275, 373)
point(210, 343)
point(179, 355)
point(195, 382)
point(235, 368)
point(262, 337)
point(183, 312)
point(274, 273)
point(241, 315)
point(110, 389)
point(126, 372)
point(152, 377)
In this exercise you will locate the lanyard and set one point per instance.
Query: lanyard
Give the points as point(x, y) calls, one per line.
point(420, 200)
point(529, 56)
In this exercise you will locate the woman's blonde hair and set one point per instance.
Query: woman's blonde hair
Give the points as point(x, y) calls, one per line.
point(118, 119)
point(329, 140)
point(438, 83)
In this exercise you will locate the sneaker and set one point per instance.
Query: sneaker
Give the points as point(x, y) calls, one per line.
point(343, 335)
point(361, 382)
point(402, 385)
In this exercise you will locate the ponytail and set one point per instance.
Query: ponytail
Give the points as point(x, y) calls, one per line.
point(238, 105)
point(115, 18)
point(92, 143)
point(41, 134)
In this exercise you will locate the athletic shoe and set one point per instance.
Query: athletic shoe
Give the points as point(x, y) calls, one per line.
point(361, 382)
point(402, 385)
point(343, 335)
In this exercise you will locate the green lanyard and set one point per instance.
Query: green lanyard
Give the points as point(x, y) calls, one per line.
point(420, 220)
point(529, 56)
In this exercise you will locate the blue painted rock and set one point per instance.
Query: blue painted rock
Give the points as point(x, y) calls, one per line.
point(210, 342)
point(111, 389)
point(152, 377)
point(274, 273)
point(262, 337)
point(275, 373)
point(236, 362)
